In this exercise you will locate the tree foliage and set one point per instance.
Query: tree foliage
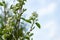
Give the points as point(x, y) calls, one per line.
point(13, 21)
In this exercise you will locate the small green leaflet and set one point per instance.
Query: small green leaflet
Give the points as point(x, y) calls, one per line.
point(27, 37)
point(26, 20)
point(1, 4)
point(38, 25)
point(24, 10)
point(31, 34)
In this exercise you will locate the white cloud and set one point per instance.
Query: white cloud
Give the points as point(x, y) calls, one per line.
point(47, 10)
point(51, 26)
point(51, 7)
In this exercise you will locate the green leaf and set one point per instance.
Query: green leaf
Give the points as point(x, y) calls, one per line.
point(1, 31)
point(38, 25)
point(24, 0)
point(20, 32)
point(31, 34)
point(24, 10)
point(11, 7)
point(17, 5)
point(28, 33)
point(31, 18)
point(6, 35)
point(26, 20)
point(27, 37)
point(16, 8)
point(1, 4)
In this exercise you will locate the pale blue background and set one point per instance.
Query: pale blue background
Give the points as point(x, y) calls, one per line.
point(49, 18)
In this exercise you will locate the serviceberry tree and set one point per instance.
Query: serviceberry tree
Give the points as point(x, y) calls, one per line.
point(13, 24)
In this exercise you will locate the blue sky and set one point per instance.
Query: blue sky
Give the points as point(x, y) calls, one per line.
point(49, 18)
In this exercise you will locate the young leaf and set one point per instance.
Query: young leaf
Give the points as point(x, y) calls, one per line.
point(24, 10)
point(1, 4)
point(27, 37)
point(26, 20)
point(31, 34)
point(11, 7)
point(38, 25)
